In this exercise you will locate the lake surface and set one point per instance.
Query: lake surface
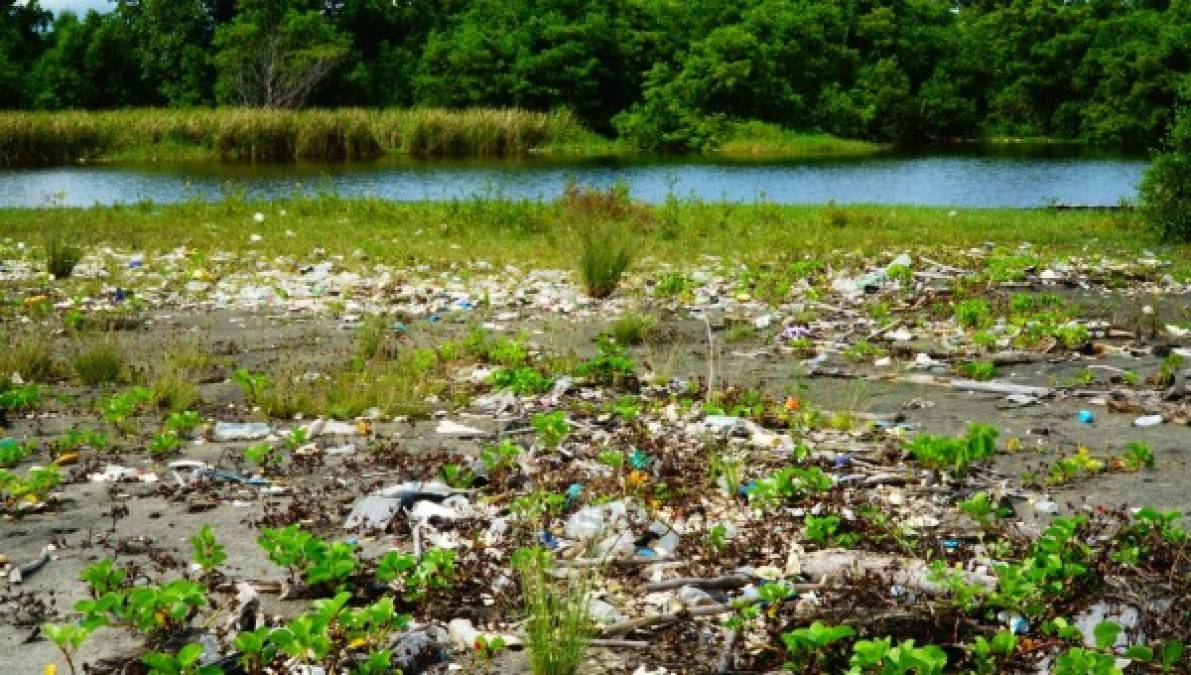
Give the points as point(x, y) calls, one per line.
point(1007, 178)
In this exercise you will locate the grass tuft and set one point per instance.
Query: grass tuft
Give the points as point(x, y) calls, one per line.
point(557, 627)
point(61, 255)
point(632, 328)
point(30, 357)
point(99, 362)
point(605, 254)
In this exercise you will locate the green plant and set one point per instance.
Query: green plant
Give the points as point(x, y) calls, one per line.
point(333, 564)
point(255, 386)
point(457, 476)
point(164, 444)
point(979, 370)
point(68, 638)
point(1137, 455)
point(673, 284)
point(33, 489)
point(863, 350)
point(882, 657)
point(631, 328)
point(1165, 192)
point(78, 438)
point(119, 409)
point(99, 362)
point(825, 531)
point(24, 397)
point(163, 609)
point(12, 452)
point(973, 313)
point(788, 484)
point(605, 253)
point(811, 645)
point(30, 357)
point(609, 366)
point(552, 428)
point(501, 456)
point(61, 256)
point(955, 454)
point(557, 628)
point(208, 553)
point(717, 536)
point(522, 380)
point(964, 595)
point(292, 548)
point(1079, 661)
point(183, 423)
point(614, 459)
point(981, 508)
point(261, 454)
point(184, 662)
point(985, 653)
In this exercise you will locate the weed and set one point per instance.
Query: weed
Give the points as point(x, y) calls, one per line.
point(979, 370)
point(164, 444)
point(605, 253)
point(791, 483)
point(557, 628)
point(12, 452)
point(631, 328)
point(68, 638)
point(457, 476)
point(208, 553)
point(955, 454)
point(502, 456)
point(673, 284)
point(30, 357)
point(973, 313)
point(825, 531)
point(610, 366)
point(812, 645)
point(1137, 455)
point(981, 508)
point(32, 489)
point(119, 409)
point(184, 662)
point(739, 332)
point(522, 380)
point(98, 363)
point(261, 454)
point(863, 351)
point(61, 256)
point(24, 397)
point(551, 427)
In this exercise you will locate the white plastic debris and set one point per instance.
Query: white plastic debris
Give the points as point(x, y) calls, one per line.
point(234, 431)
point(1148, 421)
point(449, 428)
point(114, 473)
point(465, 635)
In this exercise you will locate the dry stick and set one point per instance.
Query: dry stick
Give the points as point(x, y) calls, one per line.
point(624, 644)
point(727, 581)
point(710, 359)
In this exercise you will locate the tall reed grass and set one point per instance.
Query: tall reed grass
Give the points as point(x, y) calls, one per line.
point(259, 134)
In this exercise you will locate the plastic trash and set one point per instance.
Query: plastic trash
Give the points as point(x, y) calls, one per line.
point(225, 432)
point(1148, 421)
point(465, 635)
point(1086, 416)
point(116, 474)
point(602, 612)
point(417, 651)
point(449, 428)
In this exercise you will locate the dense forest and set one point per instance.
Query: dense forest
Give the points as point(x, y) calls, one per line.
point(664, 74)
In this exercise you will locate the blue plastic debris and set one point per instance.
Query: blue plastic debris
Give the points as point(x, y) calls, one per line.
point(574, 491)
point(639, 460)
point(1086, 416)
point(549, 541)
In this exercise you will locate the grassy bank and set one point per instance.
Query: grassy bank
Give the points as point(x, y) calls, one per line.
point(241, 134)
point(759, 139)
point(544, 233)
point(31, 138)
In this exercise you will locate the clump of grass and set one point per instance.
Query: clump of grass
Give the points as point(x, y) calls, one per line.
point(632, 328)
point(61, 255)
point(558, 628)
point(605, 254)
point(30, 357)
point(99, 362)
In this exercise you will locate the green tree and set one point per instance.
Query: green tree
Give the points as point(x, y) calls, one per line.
point(21, 26)
point(1166, 188)
point(274, 53)
point(88, 65)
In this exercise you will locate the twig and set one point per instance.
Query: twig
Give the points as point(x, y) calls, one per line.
point(719, 583)
point(727, 655)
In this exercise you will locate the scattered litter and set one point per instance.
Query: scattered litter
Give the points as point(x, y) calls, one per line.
point(225, 432)
point(1148, 421)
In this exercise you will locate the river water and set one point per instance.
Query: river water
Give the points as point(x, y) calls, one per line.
point(1009, 177)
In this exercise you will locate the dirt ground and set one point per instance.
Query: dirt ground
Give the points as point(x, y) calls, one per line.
point(147, 526)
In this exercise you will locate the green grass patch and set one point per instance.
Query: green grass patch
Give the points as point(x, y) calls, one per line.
point(544, 233)
point(761, 139)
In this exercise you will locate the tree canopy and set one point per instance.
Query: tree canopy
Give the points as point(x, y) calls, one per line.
point(665, 73)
